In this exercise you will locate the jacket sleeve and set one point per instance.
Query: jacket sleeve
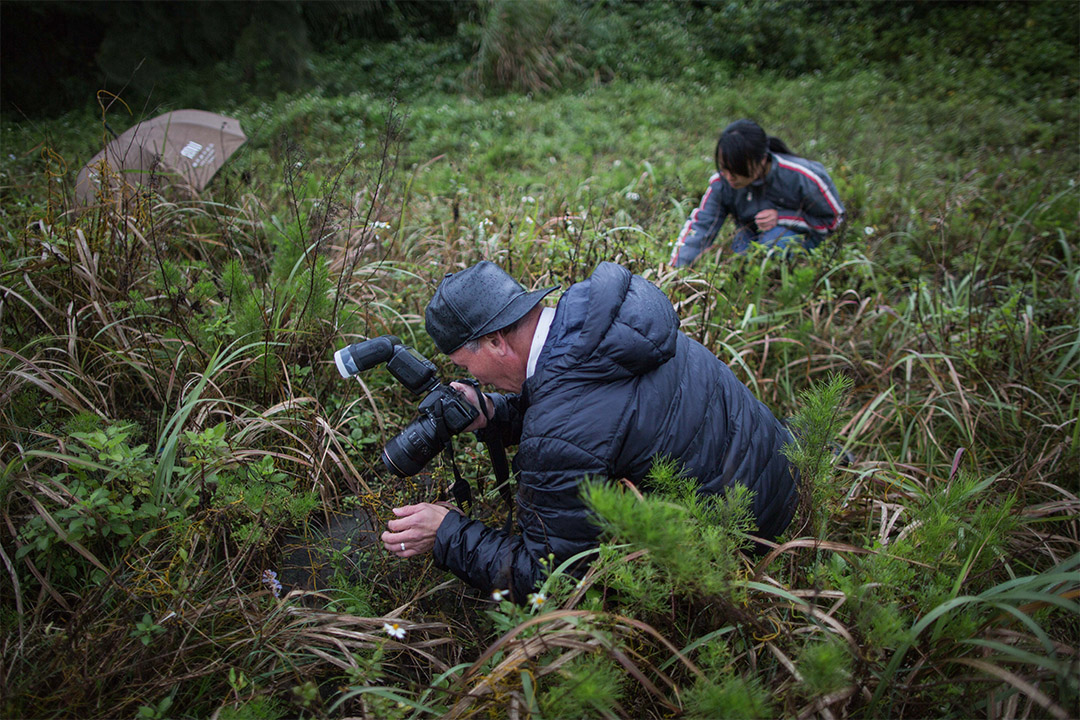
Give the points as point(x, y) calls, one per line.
point(553, 519)
point(820, 210)
point(484, 557)
point(506, 419)
point(704, 223)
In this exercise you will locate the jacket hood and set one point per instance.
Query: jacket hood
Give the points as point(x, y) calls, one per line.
point(613, 325)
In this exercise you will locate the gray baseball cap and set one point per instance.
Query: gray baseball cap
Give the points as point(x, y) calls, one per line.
point(476, 301)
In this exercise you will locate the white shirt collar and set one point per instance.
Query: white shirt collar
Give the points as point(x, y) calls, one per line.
point(539, 338)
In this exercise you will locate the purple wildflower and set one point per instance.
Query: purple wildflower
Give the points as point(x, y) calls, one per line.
point(269, 579)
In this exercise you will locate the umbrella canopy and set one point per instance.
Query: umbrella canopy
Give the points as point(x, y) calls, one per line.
point(181, 148)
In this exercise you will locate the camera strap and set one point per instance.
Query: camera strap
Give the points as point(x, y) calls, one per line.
point(460, 489)
point(497, 452)
point(502, 475)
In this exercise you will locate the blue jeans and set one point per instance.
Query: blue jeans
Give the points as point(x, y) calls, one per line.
point(779, 238)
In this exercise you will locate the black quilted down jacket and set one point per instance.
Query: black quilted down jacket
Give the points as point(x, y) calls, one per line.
point(616, 385)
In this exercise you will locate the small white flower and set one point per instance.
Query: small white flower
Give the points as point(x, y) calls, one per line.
point(499, 595)
point(536, 600)
point(394, 630)
point(633, 196)
point(868, 230)
point(528, 199)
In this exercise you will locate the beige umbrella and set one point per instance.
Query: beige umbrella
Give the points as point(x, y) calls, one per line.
point(183, 148)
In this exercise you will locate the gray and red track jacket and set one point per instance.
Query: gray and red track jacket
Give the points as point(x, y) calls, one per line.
point(616, 386)
point(800, 190)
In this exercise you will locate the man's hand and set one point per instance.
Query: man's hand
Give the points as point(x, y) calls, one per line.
point(766, 220)
point(470, 394)
point(413, 532)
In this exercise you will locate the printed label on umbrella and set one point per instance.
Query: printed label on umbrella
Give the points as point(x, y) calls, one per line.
point(191, 150)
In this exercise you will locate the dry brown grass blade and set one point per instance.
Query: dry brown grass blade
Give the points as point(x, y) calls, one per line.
point(45, 585)
point(341, 459)
point(964, 404)
point(1038, 696)
point(564, 632)
point(358, 640)
point(888, 522)
point(42, 298)
point(339, 630)
point(650, 630)
point(518, 653)
point(6, 292)
point(811, 543)
point(644, 681)
point(1032, 607)
point(820, 704)
point(16, 589)
point(57, 388)
point(785, 661)
point(835, 624)
point(552, 617)
point(1015, 637)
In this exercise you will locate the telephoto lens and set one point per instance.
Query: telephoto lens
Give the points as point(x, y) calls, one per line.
point(413, 448)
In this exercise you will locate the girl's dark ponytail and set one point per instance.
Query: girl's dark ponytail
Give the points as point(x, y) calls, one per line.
point(778, 146)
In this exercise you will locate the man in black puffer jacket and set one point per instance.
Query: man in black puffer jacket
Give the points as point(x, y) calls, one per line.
point(602, 385)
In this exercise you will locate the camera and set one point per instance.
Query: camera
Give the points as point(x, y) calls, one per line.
point(444, 412)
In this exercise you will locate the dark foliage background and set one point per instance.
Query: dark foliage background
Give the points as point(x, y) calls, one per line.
point(57, 55)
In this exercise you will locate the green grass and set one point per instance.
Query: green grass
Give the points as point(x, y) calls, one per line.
point(172, 413)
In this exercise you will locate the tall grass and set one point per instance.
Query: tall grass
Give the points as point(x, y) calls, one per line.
point(173, 420)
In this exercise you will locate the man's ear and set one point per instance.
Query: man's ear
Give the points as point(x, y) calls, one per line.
point(497, 341)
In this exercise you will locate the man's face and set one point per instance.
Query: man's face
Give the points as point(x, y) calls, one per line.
point(490, 364)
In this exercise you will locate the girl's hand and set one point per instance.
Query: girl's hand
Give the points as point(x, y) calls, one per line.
point(766, 220)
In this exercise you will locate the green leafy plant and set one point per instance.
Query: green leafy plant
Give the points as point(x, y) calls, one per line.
point(815, 453)
point(146, 629)
point(672, 519)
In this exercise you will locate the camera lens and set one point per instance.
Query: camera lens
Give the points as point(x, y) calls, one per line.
point(408, 453)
